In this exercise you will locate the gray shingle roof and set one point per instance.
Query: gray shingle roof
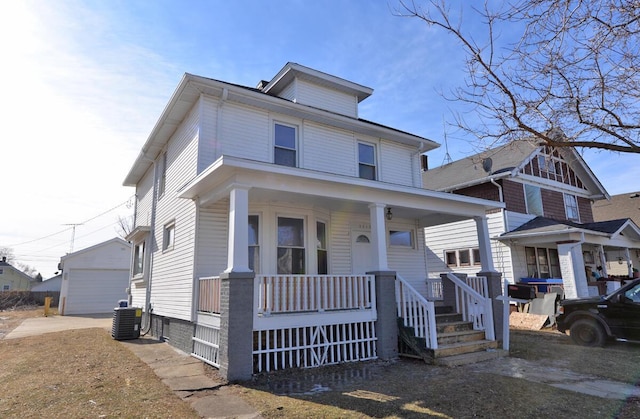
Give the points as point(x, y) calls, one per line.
point(620, 206)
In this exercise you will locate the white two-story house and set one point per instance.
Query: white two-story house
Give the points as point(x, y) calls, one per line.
point(274, 227)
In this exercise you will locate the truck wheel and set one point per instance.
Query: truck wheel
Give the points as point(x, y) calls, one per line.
point(587, 332)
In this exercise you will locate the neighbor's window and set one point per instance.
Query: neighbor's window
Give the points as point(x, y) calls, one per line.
point(571, 207)
point(534, 200)
point(321, 234)
point(254, 243)
point(451, 258)
point(401, 238)
point(138, 259)
point(542, 262)
point(284, 145)
point(366, 161)
point(6, 287)
point(168, 237)
point(291, 246)
point(464, 257)
point(476, 256)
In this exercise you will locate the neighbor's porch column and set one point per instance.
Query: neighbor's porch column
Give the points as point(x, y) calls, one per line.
point(379, 236)
point(627, 256)
point(238, 253)
point(484, 244)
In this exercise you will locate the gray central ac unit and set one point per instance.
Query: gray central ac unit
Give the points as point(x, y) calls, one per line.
point(126, 323)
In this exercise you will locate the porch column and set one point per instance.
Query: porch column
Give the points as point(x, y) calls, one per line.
point(379, 236)
point(387, 323)
point(484, 244)
point(627, 256)
point(574, 277)
point(236, 325)
point(238, 249)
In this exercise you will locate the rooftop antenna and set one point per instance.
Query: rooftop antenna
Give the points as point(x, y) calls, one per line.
point(447, 156)
point(73, 233)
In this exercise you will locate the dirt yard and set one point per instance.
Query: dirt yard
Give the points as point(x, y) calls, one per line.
point(85, 373)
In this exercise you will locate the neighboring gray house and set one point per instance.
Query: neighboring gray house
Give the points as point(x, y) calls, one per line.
point(274, 228)
point(52, 284)
point(12, 278)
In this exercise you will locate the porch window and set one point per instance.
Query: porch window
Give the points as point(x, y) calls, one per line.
point(168, 236)
point(571, 208)
point(476, 256)
point(451, 258)
point(285, 145)
point(534, 200)
point(366, 161)
point(322, 254)
point(542, 262)
point(138, 259)
point(403, 238)
point(291, 250)
point(254, 243)
point(464, 258)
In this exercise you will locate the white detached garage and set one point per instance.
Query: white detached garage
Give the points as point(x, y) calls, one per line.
point(95, 278)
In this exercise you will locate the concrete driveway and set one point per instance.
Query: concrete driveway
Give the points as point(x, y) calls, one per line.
point(40, 325)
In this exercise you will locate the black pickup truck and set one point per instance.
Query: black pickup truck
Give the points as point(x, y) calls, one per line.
point(593, 321)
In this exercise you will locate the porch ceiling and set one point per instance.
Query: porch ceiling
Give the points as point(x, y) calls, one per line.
point(273, 183)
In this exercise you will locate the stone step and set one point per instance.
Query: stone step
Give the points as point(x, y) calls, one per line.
point(470, 358)
point(463, 348)
point(460, 336)
point(452, 327)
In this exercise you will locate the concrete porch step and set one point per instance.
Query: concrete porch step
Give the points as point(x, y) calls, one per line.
point(470, 358)
point(460, 336)
point(452, 327)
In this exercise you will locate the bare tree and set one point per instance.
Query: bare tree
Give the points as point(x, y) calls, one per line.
point(124, 225)
point(570, 77)
point(7, 252)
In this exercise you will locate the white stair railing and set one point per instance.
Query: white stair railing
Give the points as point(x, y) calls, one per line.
point(474, 306)
point(416, 312)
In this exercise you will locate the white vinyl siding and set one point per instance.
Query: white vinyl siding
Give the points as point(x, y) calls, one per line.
point(212, 240)
point(209, 147)
point(172, 274)
point(395, 161)
point(245, 133)
point(323, 98)
point(144, 197)
point(328, 150)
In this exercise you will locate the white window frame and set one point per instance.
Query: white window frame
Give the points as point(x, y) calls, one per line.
point(277, 147)
point(169, 236)
point(303, 247)
point(256, 245)
point(374, 165)
point(138, 258)
point(571, 207)
point(538, 192)
point(412, 238)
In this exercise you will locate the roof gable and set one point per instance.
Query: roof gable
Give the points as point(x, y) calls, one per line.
point(525, 159)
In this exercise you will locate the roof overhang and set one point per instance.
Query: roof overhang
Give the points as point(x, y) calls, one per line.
point(137, 234)
point(269, 182)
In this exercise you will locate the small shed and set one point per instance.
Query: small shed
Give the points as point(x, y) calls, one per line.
point(95, 278)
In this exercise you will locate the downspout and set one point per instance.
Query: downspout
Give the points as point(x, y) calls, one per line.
point(504, 221)
point(419, 151)
point(149, 251)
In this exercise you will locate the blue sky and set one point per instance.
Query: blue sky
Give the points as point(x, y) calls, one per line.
point(84, 82)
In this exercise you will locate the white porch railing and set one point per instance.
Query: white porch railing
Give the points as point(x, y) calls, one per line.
point(313, 293)
point(416, 312)
point(473, 302)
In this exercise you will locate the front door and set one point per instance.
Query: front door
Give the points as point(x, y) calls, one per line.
point(361, 253)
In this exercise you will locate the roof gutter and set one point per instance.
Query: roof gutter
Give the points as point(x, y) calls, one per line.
point(474, 182)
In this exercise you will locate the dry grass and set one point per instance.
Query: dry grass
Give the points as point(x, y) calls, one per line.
point(85, 373)
point(79, 374)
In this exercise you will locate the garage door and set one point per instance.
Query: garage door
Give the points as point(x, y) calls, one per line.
point(95, 290)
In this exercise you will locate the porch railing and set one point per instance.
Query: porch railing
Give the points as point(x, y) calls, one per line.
point(416, 312)
point(209, 295)
point(313, 293)
point(474, 304)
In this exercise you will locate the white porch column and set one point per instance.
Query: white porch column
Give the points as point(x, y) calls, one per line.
point(574, 276)
point(484, 244)
point(627, 257)
point(379, 236)
point(238, 249)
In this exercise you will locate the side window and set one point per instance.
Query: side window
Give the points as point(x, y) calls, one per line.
point(138, 259)
point(291, 251)
point(571, 207)
point(534, 200)
point(451, 258)
point(402, 238)
point(169, 236)
point(285, 145)
point(476, 256)
point(254, 243)
point(366, 161)
point(322, 253)
point(464, 257)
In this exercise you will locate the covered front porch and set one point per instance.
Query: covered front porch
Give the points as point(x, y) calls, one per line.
point(319, 273)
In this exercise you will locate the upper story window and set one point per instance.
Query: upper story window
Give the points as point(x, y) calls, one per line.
point(138, 259)
point(366, 161)
point(168, 236)
point(571, 207)
point(254, 243)
point(533, 196)
point(285, 145)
